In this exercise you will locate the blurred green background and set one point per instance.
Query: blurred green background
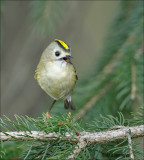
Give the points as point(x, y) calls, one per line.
point(27, 27)
point(106, 38)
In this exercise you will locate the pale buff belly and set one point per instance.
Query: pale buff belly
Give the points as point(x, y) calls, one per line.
point(57, 80)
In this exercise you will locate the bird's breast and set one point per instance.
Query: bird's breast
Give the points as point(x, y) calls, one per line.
point(57, 79)
point(57, 70)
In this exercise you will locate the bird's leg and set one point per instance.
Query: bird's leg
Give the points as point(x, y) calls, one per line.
point(69, 114)
point(70, 106)
point(47, 114)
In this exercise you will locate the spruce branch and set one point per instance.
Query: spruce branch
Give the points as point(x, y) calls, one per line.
point(133, 81)
point(130, 145)
point(45, 132)
point(107, 70)
point(83, 140)
point(91, 102)
point(96, 137)
point(33, 135)
point(80, 145)
point(44, 17)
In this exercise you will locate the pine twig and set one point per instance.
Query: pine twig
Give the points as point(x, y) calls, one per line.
point(133, 83)
point(84, 139)
point(33, 135)
point(96, 137)
point(80, 145)
point(130, 145)
point(106, 70)
point(91, 102)
point(133, 74)
point(87, 138)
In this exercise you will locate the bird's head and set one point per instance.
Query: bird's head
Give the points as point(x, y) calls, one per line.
point(57, 50)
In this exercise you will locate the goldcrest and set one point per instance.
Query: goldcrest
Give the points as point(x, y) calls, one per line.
point(56, 74)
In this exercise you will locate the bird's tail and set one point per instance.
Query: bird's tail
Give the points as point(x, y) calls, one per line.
point(69, 105)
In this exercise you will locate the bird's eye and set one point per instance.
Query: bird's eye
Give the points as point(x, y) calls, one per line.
point(57, 53)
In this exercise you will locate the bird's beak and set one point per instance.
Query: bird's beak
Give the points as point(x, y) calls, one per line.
point(67, 58)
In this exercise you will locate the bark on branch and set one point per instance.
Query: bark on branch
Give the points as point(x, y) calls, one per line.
point(130, 145)
point(96, 137)
point(84, 139)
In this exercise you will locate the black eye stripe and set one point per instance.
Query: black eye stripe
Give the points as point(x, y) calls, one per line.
point(57, 53)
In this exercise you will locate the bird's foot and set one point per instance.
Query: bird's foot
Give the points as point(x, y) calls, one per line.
point(48, 115)
point(69, 115)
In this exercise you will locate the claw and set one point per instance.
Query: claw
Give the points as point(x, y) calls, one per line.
point(69, 115)
point(48, 115)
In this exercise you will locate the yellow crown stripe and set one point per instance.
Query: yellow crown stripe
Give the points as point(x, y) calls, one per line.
point(63, 44)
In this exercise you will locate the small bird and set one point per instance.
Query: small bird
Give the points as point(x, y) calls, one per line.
point(56, 74)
